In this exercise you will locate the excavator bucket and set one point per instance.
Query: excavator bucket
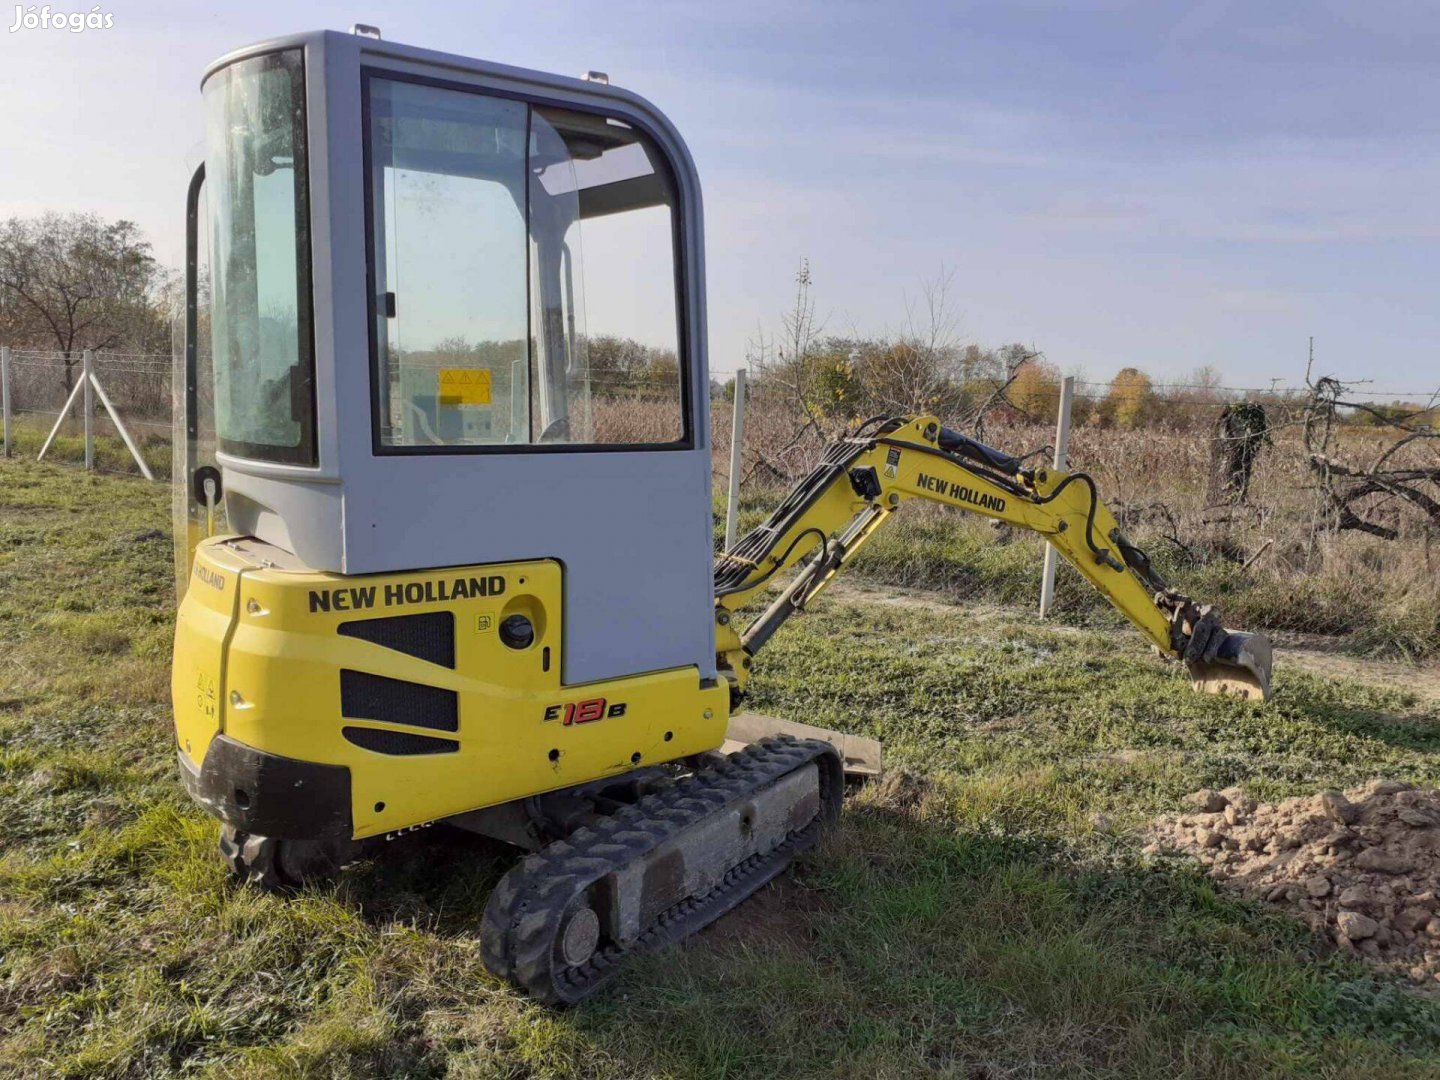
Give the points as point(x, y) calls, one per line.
point(1241, 668)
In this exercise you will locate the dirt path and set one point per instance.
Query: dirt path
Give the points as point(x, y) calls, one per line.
point(1312, 652)
point(1421, 679)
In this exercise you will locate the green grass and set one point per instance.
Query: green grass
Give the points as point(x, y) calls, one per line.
point(987, 913)
point(111, 454)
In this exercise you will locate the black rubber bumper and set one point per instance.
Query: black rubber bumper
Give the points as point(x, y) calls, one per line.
point(269, 795)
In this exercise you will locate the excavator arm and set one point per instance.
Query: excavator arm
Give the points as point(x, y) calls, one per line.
point(864, 479)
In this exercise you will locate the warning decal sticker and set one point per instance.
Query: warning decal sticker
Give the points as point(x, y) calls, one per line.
point(464, 386)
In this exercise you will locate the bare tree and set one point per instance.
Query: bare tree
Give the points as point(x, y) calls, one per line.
point(789, 361)
point(1011, 361)
point(76, 282)
point(919, 370)
point(1352, 495)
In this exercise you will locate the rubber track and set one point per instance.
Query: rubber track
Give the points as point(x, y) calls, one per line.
point(524, 914)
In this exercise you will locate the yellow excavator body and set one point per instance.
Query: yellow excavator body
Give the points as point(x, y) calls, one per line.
point(445, 547)
point(405, 684)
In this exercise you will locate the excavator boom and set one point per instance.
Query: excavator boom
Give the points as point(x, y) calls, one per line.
point(865, 478)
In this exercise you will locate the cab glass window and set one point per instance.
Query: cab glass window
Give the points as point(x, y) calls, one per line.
point(255, 169)
point(523, 275)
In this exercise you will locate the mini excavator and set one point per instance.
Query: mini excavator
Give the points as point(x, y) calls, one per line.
point(444, 546)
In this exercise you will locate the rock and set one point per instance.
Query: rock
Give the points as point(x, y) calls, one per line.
point(1233, 816)
point(1355, 926)
point(1383, 861)
point(1370, 947)
point(1206, 800)
point(1416, 818)
point(1388, 787)
point(1342, 840)
point(1277, 894)
point(1237, 798)
point(1338, 808)
point(1254, 843)
point(1318, 886)
point(1208, 838)
point(1432, 928)
point(1413, 918)
point(1356, 897)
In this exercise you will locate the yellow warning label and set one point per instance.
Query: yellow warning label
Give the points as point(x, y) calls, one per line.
point(464, 386)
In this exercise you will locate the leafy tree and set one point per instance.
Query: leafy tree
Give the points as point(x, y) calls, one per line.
point(834, 385)
point(1131, 398)
point(623, 367)
point(1035, 390)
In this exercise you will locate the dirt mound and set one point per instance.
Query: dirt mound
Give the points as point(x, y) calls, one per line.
point(1361, 867)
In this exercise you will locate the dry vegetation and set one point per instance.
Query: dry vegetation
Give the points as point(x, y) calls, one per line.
point(1278, 561)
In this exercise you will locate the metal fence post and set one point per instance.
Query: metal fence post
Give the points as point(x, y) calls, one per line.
point(737, 442)
point(88, 361)
point(1062, 451)
point(94, 383)
point(5, 395)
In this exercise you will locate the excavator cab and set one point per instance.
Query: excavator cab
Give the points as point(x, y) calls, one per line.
point(443, 515)
point(456, 316)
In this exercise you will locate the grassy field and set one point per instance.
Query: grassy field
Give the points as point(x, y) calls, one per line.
point(986, 913)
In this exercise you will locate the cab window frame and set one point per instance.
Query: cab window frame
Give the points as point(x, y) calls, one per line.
point(679, 248)
point(306, 453)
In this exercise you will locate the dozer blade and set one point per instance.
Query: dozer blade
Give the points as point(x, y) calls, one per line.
point(1241, 668)
point(860, 756)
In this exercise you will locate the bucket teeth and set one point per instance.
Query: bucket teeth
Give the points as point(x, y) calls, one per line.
point(1241, 668)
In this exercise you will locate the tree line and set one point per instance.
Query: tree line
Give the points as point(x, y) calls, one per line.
point(924, 366)
point(72, 282)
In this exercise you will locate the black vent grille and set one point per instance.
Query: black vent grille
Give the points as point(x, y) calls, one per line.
point(429, 637)
point(374, 697)
point(398, 743)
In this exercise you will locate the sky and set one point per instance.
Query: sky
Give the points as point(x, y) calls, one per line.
point(1158, 185)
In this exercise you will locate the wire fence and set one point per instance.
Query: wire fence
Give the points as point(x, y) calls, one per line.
point(42, 397)
point(1170, 433)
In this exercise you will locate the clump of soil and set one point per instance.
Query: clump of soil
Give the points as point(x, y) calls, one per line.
point(1361, 867)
